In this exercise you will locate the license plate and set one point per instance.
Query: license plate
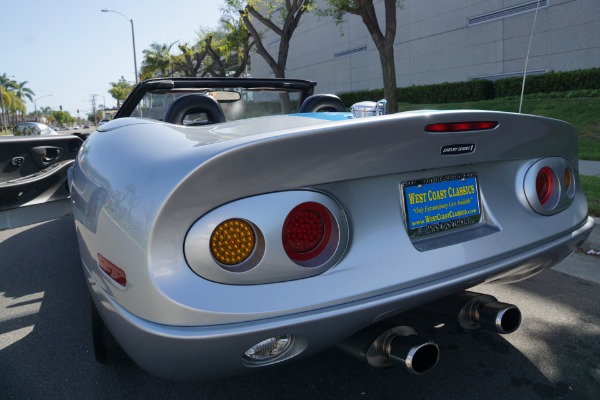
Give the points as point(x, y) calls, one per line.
point(441, 204)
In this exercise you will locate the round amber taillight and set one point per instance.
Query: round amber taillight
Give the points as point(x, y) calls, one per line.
point(306, 231)
point(567, 178)
point(232, 242)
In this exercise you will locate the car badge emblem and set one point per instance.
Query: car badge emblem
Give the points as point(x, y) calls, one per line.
point(455, 149)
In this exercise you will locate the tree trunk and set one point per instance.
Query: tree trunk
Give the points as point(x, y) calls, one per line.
point(388, 69)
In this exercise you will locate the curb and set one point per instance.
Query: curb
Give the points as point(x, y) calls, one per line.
point(593, 241)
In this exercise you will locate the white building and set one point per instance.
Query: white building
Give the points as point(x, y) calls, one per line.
point(444, 41)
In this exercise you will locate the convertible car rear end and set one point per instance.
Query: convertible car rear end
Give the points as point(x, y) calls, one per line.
point(216, 248)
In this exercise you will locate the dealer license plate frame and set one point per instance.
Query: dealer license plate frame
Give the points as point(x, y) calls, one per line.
point(437, 198)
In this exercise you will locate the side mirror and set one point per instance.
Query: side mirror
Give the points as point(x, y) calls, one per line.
point(25, 129)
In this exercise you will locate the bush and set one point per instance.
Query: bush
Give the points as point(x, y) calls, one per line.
point(571, 84)
point(438, 93)
point(455, 92)
point(584, 79)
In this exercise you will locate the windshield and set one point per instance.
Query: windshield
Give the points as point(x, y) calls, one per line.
point(246, 103)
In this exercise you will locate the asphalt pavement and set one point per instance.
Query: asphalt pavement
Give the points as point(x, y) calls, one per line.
point(46, 351)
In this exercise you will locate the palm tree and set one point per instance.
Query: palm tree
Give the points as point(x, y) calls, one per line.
point(6, 81)
point(12, 105)
point(158, 60)
point(5, 85)
point(22, 91)
point(16, 107)
point(6, 102)
point(12, 96)
point(120, 90)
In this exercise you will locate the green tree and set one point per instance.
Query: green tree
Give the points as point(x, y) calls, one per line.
point(281, 17)
point(12, 94)
point(6, 99)
point(158, 61)
point(5, 85)
point(45, 110)
point(22, 91)
point(120, 90)
point(62, 117)
point(384, 40)
point(230, 49)
point(190, 61)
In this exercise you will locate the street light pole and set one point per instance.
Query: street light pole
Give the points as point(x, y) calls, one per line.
point(132, 39)
point(35, 106)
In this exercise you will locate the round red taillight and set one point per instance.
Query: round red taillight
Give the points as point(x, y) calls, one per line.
point(306, 231)
point(543, 185)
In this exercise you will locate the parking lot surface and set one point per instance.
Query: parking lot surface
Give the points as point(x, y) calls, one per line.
point(46, 350)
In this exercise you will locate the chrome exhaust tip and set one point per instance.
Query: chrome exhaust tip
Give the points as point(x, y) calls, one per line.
point(413, 353)
point(398, 346)
point(476, 310)
point(499, 317)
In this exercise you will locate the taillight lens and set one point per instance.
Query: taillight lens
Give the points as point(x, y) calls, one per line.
point(232, 242)
point(306, 231)
point(549, 185)
point(543, 185)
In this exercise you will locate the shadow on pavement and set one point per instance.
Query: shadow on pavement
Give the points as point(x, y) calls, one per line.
point(46, 349)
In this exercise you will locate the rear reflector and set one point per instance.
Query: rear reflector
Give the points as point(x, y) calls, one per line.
point(116, 273)
point(461, 126)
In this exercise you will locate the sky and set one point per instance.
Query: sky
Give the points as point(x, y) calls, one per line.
point(71, 50)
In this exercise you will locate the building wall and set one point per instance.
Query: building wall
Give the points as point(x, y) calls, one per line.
point(442, 41)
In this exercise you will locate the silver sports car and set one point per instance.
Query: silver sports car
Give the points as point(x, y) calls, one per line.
point(228, 225)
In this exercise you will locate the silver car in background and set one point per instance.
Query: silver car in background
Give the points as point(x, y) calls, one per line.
point(229, 225)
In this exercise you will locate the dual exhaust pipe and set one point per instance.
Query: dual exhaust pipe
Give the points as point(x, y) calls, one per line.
point(383, 346)
point(397, 346)
point(476, 310)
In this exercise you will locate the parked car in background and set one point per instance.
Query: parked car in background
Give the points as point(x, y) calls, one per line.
point(32, 129)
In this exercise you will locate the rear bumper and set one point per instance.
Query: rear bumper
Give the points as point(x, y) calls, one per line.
point(206, 352)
